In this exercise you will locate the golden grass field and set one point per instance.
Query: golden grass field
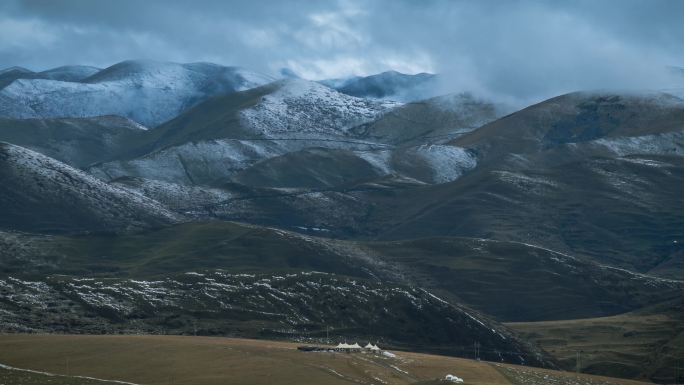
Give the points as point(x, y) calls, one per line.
point(626, 345)
point(152, 360)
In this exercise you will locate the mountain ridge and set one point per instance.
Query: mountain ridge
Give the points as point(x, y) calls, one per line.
point(41, 194)
point(146, 91)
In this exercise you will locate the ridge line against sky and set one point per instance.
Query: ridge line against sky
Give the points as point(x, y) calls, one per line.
point(514, 50)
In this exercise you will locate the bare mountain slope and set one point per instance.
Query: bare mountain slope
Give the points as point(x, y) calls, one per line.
point(79, 142)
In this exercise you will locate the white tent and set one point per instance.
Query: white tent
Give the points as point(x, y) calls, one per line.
point(345, 345)
point(372, 347)
point(452, 378)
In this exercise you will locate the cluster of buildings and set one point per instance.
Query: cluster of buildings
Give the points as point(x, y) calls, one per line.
point(357, 348)
point(343, 347)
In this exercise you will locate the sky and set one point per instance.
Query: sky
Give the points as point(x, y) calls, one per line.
point(515, 50)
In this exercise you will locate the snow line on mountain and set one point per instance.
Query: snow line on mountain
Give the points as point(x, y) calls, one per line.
point(314, 139)
point(291, 194)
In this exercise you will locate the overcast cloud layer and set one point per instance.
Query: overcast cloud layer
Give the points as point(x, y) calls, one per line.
point(517, 50)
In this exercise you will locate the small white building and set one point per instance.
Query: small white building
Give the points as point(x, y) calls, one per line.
point(372, 348)
point(452, 378)
point(349, 348)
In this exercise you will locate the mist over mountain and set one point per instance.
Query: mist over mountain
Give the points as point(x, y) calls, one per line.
point(459, 203)
point(510, 52)
point(258, 182)
point(390, 85)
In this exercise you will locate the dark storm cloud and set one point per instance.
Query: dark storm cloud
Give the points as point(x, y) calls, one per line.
point(511, 49)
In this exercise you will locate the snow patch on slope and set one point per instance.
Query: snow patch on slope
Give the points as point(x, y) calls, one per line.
point(379, 159)
point(304, 107)
point(658, 144)
point(192, 163)
point(182, 198)
point(442, 163)
point(448, 163)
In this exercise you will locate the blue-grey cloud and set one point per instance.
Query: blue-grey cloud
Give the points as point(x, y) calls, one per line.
point(518, 50)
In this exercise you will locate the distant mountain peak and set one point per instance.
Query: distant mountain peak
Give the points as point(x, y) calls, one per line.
point(15, 69)
point(392, 85)
point(149, 92)
point(288, 73)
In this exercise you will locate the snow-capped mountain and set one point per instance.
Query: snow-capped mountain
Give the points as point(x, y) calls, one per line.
point(415, 220)
point(231, 133)
point(220, 138)
point(301, 108)
point(147, 92)
point(389, 85)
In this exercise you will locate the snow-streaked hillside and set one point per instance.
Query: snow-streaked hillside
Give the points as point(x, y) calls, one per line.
point(189, 200)
point(434, 163)
point(668, 143)
point(41, 194)
point(283, 305)
point(301, 108)
point(191, 163)
point(326, 167)
point(294, 115)
point(211, 162)
point(147, 92)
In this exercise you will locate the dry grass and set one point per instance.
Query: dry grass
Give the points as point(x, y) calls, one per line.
point(630, 345)
point(521, 375)
point(154, 360)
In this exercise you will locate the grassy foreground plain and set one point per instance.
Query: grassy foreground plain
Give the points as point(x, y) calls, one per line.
point(152, 360)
